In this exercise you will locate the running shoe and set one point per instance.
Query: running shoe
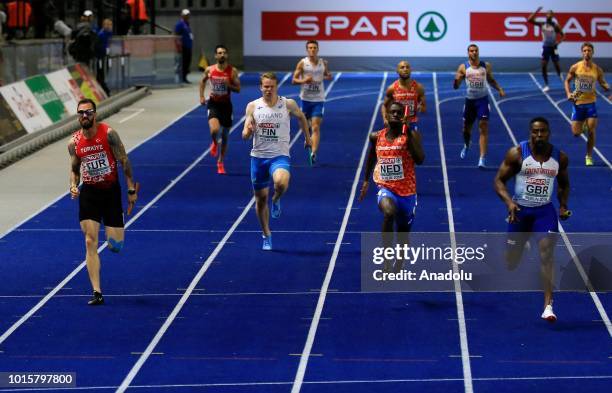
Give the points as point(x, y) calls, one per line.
point(221, 168)
point(213, 149)
point(276, 209)
point(546, 89)
point(464, 151)
point(96, 300)
point(588, 161)
point(309, 152)
point(548, 314)
point(313, 158)
point(267, 243)
point(482, 163)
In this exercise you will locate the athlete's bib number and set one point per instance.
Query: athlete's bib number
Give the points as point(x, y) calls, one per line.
point(391, 168)
point(95, 165)
point(312, 87)
point(476, 84)
point(585, 85)
point(538, 190)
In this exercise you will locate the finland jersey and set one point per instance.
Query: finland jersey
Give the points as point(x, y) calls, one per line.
point(476, 81)
point(271, 136)
point(534, 184)
point(314, 90)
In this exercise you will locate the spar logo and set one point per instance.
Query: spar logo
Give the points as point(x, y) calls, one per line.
point(340, 26)
point(431, 26)
point(507, 26)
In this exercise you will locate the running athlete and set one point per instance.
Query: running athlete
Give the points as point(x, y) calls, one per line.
point(584, 112)
point(268, 122)
point(94, 152)
point(223, 79)
point(394, 154)
point(550, 29)
point(406, 91)
point(310, 73)
point(478, 75)
point(535, 164)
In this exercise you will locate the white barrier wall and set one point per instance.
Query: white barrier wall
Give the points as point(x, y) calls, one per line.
point(436, 29)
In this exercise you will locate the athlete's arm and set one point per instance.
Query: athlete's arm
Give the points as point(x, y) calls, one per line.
point(422, 105)
point(415, 147)
point(571, 74)
point(531, 18)
point(371, 161)
point(326, 74)
point(121, 156)
point(295, 111)
point(385, 105)
point(560, 32)
point(249, 122)
point(203, 85)
point(563, 188)
point(75, 170)
point(234, 84)
point(507, 170)
point(602, 80)
point(298, 73)
point(493, 82)
point(459, 76)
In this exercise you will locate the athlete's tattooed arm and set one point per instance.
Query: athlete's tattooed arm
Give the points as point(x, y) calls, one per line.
point(75, 170)
point(121, 156)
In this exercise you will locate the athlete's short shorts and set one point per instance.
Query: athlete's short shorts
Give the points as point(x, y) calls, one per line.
point(584, 111)
point(536, 219)
point(313, 109)
point(476, 109)
point(406, 205)
point(222, 111)
point(101, 205)
point(550, 52)
point(262, 170)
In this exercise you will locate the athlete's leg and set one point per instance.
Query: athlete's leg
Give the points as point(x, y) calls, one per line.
point(263, 213)
point(483, 127)
point(315, 133)
point(280, 177)
point(114, 238)
point(90, 229)
point(577, 127)
point(591, 135)
point(557, 67)
point(547, 246)
point(515, 245)
point(389, 209)
point(545, 71)
point(224, 142)
point(214, 126)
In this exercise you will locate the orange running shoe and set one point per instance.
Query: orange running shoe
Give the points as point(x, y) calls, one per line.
point(221, 168)
point(213, 149)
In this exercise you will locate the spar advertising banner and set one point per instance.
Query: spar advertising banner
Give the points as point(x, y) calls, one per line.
point(10, 127)
point(66, 88)
point(395, 28)
point(47, 97)
point(25, 106)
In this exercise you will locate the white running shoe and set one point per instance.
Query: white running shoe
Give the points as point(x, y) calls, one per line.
point(548, 314)
point(546, 89)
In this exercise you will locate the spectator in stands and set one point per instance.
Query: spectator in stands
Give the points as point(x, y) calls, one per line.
point(19, 14)
point(82, 47)
point(102, 51)
point(138, 15)
point(184, 42)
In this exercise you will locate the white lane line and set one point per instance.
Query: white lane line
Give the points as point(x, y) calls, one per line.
point(80, 267)
point(595, 149)
point(301, 371)
point(598, 305)
point(603, 96)
point(183, 300)
point(463, 340)
point(517, 97)
point(133, 115)
point(451, 99)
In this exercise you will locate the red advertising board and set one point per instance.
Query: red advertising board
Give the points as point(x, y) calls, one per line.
point(337, 26)
point(513, 26)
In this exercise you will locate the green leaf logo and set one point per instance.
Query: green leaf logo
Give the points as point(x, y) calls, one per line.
point(431, 26)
